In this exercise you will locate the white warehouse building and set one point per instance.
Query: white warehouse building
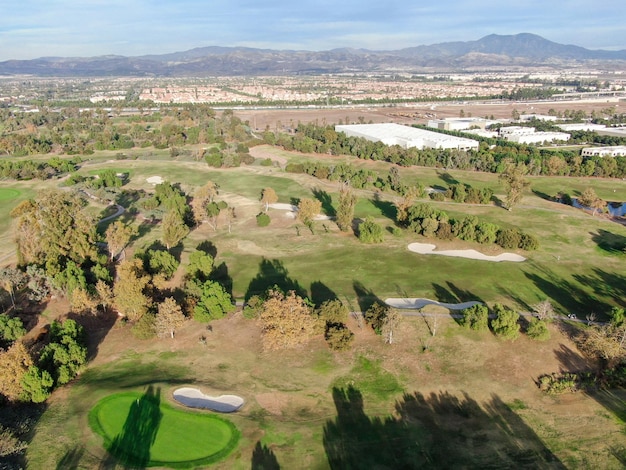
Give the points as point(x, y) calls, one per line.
point(613, 151)
point(406, 137)
point(528, 135)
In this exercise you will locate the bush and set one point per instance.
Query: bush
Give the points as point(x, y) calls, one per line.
point(266, 162)
point(508, 238)
point(437, 196)
point(370, 231)
point(339, 337)
point(528, 242)
point(263, 220)
point(538, 329)
point(145, 328)
point(253, 307)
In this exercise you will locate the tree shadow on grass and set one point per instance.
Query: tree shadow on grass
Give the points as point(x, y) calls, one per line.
point(132, 445)
point(365, 296)
point(71, 458)
point(326, 200)
point(320, 293)
point(263, 458)
point(96, 328)
point(609, 241)
point(387, 208)
point(447, 178)
point(273, 273)
point(220, 275)
point(436, 431)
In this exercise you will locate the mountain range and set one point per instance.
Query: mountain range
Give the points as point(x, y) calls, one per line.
point(490, 52)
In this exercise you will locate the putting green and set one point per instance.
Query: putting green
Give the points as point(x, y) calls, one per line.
point(139, 430)
point(6, 194)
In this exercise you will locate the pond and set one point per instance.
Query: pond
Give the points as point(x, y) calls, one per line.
point(616, 209)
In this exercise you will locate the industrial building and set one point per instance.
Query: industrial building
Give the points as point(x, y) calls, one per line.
point(581, 126)
point(461, 124)
point(528, 135)
point(613, 151)
point(406, 137)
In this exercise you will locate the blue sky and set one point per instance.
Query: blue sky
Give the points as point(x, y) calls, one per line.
point(39, 28)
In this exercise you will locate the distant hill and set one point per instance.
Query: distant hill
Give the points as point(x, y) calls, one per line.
point(493, 51)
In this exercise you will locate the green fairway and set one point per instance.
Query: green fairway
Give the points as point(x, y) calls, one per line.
point(6, 194)
point(139, 430)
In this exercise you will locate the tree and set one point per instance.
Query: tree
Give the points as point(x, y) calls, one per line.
point(370, 231)
point(514, 183)
point(174, 229)
point(590, 199)
point(286, 321)
point(213, 302)
point(55, 227)
point(162, 262)
point(9, 444)
point(12, 279)
point(268, 196)
point(201, 198)
point(104, 294)
point(390, 324)
point(375, 316)
point(263, 219)
point(544, 310)
point(333, 311)
point(505, 324)
point(129, 297)
point(169, 318)
point(345, 211)
point(82, 301)
point(200, 265)
point(66, 353)
point(14, 363)
point(308, 209)
point(475, 317)
point(117, 236)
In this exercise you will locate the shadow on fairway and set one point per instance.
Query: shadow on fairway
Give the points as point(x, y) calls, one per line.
point(263, 458)
point(272, 273)
point(440, 430)
point(132, 445)
point(326, 200)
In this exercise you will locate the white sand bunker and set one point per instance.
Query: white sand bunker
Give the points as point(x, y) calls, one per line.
point(293, 209)
point(194, 398)
point(428, 249)
point(417, 303)
point(155, 180)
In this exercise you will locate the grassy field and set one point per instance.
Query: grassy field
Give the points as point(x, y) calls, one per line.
point(140, 430)
point(456, 399)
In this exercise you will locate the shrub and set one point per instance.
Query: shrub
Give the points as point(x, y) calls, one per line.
point(145, 328)
point(538, 329)
point(266, 162)
point(437, 196)
point(339, 337)
point(253, 307)
point(263, 220)
point(528, 242)
point(508, 238)
point(370, 231)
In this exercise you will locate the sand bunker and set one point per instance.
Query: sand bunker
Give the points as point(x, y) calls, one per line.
point(194, 398)
point(428, 249)
point(417, 303)
point(155, 180)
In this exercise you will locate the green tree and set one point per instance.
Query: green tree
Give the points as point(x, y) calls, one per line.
point(263, 220)
point(213, 302)
point(505, 324)
point(345, 211)
point(375, 316)
point(174, 229)
point(200, 265)
point(36, 385)
point(475, 317)
point(370, 231)
point(11, 328)
point(66, 353)
point(162, 262)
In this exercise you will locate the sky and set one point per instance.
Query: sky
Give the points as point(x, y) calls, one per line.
point(82, 28)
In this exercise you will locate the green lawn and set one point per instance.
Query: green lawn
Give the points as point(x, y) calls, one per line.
point(140, 430)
